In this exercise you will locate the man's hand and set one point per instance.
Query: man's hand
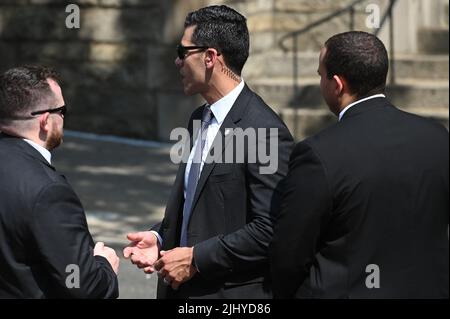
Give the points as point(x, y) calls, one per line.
point(101, 250)
point(143, 250)
point(175, 266)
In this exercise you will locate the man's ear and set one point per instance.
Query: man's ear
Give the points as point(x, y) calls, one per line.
point(44, 122)
point(211, 56)
point(340, 85)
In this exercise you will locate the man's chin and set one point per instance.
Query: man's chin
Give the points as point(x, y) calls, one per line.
point(188, 91)
point(52, 144)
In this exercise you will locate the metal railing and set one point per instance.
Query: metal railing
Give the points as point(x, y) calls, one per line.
point(350, 9)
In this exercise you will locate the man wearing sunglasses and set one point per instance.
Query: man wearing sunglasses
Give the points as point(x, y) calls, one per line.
point(218, 221)
point(46, 250)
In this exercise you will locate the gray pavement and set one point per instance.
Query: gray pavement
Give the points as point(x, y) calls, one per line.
point(123, 188)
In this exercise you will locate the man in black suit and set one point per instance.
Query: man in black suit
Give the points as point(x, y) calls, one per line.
point(46, 250)
point(365, 208)
point(218, 221)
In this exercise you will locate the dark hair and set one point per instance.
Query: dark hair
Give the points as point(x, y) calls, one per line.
point(359, 57)
point(223, 29)
point(25, 88)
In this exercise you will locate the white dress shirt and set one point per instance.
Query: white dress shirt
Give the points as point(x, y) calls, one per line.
point(341, 114)
point(44, 152)
point(220, 110)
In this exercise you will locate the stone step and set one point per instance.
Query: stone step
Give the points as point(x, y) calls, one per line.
point(306, 122)
point(433, 67)
point(433, 40)
point(279, 64)
point(419, 94)
point(303, 123)
point(279, 93)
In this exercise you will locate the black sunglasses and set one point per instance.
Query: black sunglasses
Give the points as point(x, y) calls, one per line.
point(182, 51)
point(61, 109)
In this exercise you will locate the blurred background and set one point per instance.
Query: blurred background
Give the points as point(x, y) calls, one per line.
point(119, 68)
point(125, 96)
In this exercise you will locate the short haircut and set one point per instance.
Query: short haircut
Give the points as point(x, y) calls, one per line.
point(223, 29)
point(361, 59)
point(25, 88)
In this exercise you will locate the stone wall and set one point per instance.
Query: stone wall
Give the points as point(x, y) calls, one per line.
point(269, 20)
point(118, 67)
point(118, 71)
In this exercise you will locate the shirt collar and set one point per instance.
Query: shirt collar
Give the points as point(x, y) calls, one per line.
point(44, 152)
point(341, 114)
point(221, 108)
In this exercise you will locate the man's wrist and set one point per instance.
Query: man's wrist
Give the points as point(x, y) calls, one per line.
point(194, 264)
point(158, 238)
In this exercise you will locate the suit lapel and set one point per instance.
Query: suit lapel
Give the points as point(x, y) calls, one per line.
point(221, 139)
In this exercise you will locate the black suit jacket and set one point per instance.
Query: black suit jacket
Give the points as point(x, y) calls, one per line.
point(366, 203)
point(231, 224)
point(43, 231)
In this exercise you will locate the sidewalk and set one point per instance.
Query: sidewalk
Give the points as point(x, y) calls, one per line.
point(123, 188)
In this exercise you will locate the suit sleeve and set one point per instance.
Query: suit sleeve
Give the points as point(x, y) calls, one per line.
point(247, 248)
point(306, 205)
point(63, 242)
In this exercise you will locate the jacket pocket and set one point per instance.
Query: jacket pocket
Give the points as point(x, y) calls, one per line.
point(222, 173)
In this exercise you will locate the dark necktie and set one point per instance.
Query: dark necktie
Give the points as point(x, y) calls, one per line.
point(194, 173)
